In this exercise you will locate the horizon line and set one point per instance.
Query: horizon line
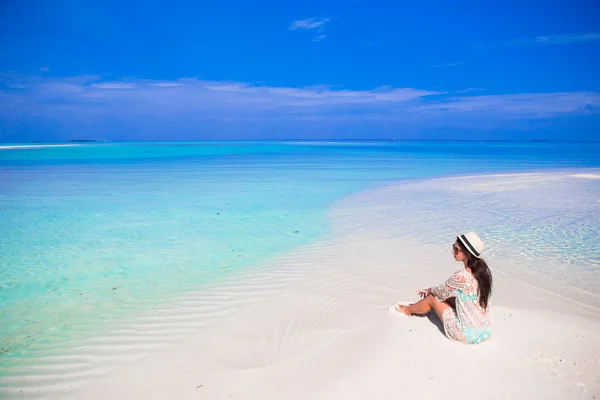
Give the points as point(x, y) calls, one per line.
point(93, 141)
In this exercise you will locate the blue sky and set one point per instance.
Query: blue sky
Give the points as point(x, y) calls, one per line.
point(175, 70)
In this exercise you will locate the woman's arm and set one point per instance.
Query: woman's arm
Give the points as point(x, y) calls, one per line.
point(450, 287)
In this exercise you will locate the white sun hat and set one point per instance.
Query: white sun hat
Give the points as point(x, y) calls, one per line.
point(472, 243)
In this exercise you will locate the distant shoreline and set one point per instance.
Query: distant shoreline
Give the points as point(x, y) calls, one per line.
point(35, 146)
point(309, 140)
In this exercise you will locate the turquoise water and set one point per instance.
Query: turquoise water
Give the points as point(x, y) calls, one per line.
point(96, 233)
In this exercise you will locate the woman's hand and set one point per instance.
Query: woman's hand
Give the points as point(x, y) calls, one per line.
point(425, 292)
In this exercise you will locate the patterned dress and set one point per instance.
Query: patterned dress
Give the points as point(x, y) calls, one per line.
point(469, 323)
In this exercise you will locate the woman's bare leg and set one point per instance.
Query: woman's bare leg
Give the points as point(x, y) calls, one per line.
point(424, 306)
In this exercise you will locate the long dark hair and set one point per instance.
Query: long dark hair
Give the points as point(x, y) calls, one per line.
point(482, 274)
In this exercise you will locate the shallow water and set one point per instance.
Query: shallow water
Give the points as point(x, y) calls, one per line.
point(93, 234)
point(545, 224)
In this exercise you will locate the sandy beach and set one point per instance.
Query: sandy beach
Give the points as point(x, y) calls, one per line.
point(314, 324)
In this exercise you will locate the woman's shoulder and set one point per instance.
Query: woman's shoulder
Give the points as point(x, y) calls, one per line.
point(461, 276)
point(461, 273)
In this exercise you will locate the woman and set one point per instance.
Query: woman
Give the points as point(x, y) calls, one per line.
point(463, 301)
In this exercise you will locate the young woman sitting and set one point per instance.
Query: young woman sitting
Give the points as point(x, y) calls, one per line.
point(463, 301)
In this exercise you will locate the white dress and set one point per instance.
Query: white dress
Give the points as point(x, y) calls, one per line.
point(469, 322)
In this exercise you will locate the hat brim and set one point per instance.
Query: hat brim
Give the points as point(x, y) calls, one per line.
point(468, 245)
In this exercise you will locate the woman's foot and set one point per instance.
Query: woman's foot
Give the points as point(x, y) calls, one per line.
point(403, 309)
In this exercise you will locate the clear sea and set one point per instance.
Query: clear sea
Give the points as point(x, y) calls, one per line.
point(93, 234)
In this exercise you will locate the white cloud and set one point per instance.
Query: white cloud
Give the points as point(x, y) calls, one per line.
point(452, 64)
point(470, 90)
point(590, 37)
point(308, 24)
point(530, 105)
point(556, 40)
point(187, 108)
point(167, 84)
point(115, 85)
point(193, 99)
point(315, 96)
point(316, 25)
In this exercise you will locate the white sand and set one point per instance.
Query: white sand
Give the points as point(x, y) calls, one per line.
point(314, 324)
point(587, 176)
